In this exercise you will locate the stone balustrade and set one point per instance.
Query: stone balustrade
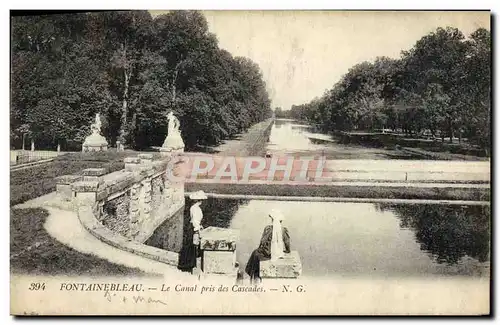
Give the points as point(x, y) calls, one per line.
point(124, 208)
point(131, 202)
point(87, 217)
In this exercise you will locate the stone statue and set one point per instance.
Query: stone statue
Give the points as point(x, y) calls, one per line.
point(173, 142)
point(173, 124)
point(96, 126)
point(95, 141)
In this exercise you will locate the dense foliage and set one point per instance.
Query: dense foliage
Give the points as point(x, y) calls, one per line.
point(133, 69)
point(440, 87)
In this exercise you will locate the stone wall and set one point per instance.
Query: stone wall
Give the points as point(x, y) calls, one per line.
point(260, 141)
point(157, 189)
point(169, 235)
point(87, 218)
point(131, 202)
point(252, 143)
point(115, 214)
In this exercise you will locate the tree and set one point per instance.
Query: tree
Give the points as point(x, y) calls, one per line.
point(54, 77)
point(127, 34)
point(436, 59)
point(134, 70)
point(476, 95)
point(442, 84)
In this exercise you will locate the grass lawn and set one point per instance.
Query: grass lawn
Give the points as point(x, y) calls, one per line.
point(385, 192)
point(444, 155)
point(27, 184)
point(434, 148)
point(34, 251)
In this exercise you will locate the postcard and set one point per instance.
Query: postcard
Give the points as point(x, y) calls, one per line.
point(185, 162)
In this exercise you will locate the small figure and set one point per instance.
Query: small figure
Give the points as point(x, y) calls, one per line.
point(195, 211)
point(275, 242)
point(191, 251)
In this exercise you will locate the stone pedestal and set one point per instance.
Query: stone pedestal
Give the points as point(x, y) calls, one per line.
point(63, 186)
point(169, 151)
point(218, 262)
point(95, 142)
point(173, 144)
point(132, 164)
point(85, 192)
point(287, 267)
point(119, 146)
point(145, 158)
point(218, 246)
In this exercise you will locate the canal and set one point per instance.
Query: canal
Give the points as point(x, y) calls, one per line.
point(358, 239)
point(291, 138)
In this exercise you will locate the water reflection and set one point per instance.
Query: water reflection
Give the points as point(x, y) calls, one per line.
point(216, 212)
point(366, 239)
point(449, 233)
point(289, 137)
point(361, 239)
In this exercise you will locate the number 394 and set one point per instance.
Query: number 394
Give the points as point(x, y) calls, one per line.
point(37, 286)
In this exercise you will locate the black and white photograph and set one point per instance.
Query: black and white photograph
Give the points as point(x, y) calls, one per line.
point(250, 162)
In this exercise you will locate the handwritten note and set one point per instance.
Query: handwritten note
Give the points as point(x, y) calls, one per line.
point(110, 297)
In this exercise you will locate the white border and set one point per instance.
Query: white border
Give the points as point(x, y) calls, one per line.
point(190, 4)
point(254, 4)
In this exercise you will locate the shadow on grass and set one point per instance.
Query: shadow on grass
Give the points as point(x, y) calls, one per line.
point(34, 251)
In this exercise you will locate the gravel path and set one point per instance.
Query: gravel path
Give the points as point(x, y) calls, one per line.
point(64, 226)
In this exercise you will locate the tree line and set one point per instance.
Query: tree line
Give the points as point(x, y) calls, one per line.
point(133, 69)
point(439, 88)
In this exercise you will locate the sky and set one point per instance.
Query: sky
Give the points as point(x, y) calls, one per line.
point(303, 53)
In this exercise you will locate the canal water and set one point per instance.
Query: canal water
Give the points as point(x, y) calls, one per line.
point(291, 138)
point(357, 239)
point(361, 239)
